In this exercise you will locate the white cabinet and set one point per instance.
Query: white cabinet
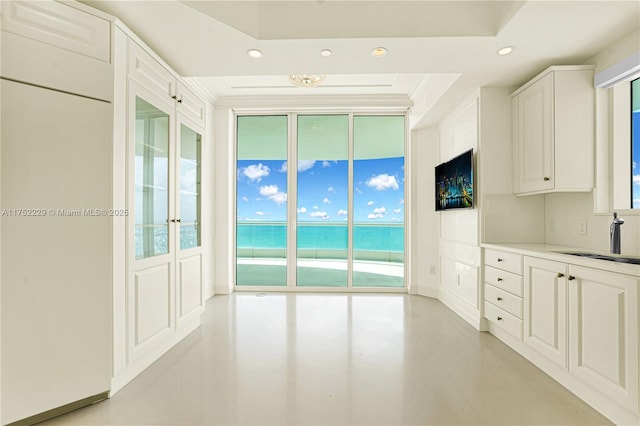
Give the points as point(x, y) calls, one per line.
point(603, 332)
point(553, 131)
point(503, 291)
point(545, 308)
point(149, 73)
point(159, 296)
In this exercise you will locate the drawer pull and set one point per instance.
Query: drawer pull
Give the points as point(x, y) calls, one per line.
point(546, 179)
point(571, 278)
point(500, 259)
point(499, 279)
point(499, 318)
point(560, 275)
point(499, 299)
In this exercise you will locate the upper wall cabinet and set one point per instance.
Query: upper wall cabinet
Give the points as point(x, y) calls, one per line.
point(144, 69)
point(59, 46)
point(553, 132)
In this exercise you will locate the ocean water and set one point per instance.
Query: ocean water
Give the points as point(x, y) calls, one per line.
point(328, 236)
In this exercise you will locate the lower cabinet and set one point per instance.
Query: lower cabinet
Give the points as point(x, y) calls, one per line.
point(545, 308)
point(603, 332)
point(580, 325)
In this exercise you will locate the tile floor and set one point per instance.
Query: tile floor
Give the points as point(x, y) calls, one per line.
point(337, 359)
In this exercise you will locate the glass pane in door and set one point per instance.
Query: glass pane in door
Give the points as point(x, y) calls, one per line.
point(151, 184)
point(261, 201)
point(378, 200)
point(190, 151)
point(323, 191)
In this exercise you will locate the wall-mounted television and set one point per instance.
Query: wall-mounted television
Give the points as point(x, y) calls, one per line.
point(454, 183)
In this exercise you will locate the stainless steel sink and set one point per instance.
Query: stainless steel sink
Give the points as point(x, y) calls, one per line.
point(611, 258)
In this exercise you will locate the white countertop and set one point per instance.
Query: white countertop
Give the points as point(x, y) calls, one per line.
point(550, 251)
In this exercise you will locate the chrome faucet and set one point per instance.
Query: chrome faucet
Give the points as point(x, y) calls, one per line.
point(614, 234)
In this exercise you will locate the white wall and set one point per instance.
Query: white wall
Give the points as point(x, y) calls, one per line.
point(563, 211)
point(425, 224)
point(208, 190)
point(224, 202)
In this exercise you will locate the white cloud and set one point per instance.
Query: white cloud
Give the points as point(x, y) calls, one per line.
point(256, 172)
point(636, 179)
point(283, 168)
point(259, 213)
point(358, 190)
point(302, 210)
point(342, 212)
point(370, 203)
point(331, 189)
point(378, 213)
point(396, 211)
point(635, 164)
point(321, 215)
point(326, 201)
point(401, 201)
point(383, 182)
point(245, 199)
point(268, 190)
point(279, 198)
point(273, 193)
point(304, 165)
point(380, 210)
point(315, 207)
point(325, 163)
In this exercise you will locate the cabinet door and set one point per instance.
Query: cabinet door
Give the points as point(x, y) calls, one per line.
point(190, 105)
point(545, 308)
point(151, 283)
point(603, 330)
point(190, 294)
point(534, 138)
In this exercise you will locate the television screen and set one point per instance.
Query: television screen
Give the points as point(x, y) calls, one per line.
point(454, 183)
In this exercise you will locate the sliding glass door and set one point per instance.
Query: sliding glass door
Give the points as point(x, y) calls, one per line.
point(342, 224)
point(323, 199)
point(378, 230)
point(261, 201)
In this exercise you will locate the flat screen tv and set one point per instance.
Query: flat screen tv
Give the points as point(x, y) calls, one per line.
point(454, 183)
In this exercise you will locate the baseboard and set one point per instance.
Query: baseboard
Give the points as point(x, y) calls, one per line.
point(132, 370)
point(427, 292)
point(59, 411)
point(462, 308)
point(222, 289)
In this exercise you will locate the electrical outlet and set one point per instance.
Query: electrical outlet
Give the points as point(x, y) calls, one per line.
point(582, 227)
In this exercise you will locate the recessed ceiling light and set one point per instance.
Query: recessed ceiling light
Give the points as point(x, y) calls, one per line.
point(505, 50)
point(378, 52)
point(254, 53)
point(326, 52)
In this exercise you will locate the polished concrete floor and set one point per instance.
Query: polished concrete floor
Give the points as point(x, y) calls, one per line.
point(337, 359)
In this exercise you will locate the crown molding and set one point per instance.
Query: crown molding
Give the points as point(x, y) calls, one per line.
point(316, 102)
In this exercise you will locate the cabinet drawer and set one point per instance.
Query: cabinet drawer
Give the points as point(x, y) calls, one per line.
point(504, 300)
point(511, 262)
point(503, 280)
point(503, 319)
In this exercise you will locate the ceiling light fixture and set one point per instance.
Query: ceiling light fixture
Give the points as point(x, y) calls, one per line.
point(326, 52)
point(254, 53)
point(505, 50)
point(306, 80)
point(378, 52)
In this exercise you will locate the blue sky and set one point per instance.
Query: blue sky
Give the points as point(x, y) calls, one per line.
point(322, 190)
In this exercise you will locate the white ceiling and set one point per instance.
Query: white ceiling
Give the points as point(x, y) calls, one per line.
point(438, 51)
